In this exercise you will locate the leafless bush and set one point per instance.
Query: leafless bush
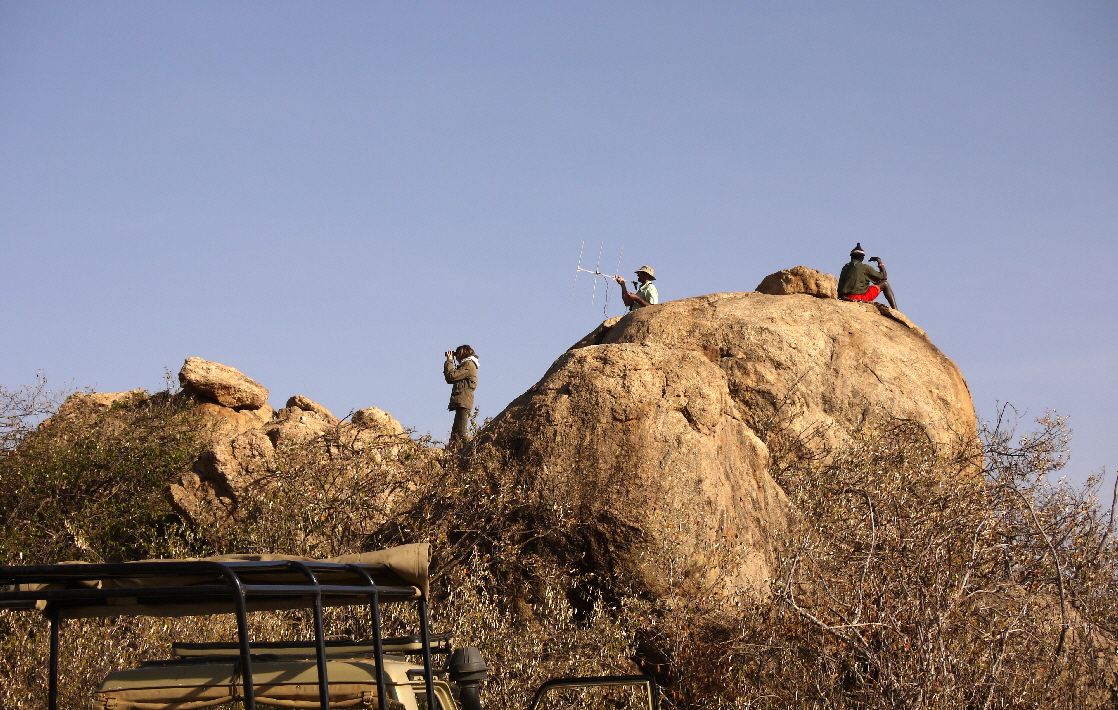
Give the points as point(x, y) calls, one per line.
point(924, 576)
point(23, 408)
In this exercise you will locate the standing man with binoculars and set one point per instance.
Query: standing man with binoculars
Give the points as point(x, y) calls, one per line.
point(862, 282)
point(460, 370)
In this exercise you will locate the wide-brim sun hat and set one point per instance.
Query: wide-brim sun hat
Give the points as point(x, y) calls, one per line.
point(648, 270)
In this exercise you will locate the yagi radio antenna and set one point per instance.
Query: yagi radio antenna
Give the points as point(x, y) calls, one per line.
point(596, 272)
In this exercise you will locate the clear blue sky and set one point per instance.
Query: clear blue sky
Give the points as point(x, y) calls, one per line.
point(329, 195)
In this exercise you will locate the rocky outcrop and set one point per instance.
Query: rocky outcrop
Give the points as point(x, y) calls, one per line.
point(376, 429)
point(799, 279)
point(376, 419)
point(81, 405)
point(295, 424)
point(243, 462)
point(221, 384)
point(651, 431)
point(80, 402)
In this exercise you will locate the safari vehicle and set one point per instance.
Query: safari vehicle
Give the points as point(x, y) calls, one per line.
point(371, 673)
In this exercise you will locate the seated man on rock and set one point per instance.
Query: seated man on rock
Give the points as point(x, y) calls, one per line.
point(862, 282)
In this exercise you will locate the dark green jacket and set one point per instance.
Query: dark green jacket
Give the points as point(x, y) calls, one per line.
point(856, 277)
point(464, 379)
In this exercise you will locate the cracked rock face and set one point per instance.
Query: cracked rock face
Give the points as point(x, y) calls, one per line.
point(659, 417)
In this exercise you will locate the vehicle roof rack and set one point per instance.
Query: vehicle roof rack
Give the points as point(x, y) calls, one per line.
point(438, 643)
point(233, 584)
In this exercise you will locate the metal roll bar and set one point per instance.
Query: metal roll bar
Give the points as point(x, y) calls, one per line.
point(242, 585)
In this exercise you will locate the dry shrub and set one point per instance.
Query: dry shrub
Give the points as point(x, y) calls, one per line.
point(327, 495)
point(916, 575)
point(922, 576)
point(344, 490)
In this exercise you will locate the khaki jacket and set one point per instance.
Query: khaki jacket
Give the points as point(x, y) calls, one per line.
point(464, 379)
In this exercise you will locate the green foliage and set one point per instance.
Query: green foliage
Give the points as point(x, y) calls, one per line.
point(90, 482)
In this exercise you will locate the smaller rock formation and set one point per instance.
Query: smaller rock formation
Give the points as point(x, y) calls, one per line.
point(83, 402)
point(296, 424)
point(378, 419)
point(222, 384)
point(305, 403)
point(799, 279)
point(253, 445)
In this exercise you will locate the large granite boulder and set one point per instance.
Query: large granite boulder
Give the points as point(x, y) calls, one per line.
point(222, 384)
point(813, 362)
point(651, 431)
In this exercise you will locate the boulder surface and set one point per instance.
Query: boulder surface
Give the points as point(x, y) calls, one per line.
point(799, 279)
point(222, 384)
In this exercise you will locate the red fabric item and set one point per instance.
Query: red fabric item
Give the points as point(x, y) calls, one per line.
point(870, 294)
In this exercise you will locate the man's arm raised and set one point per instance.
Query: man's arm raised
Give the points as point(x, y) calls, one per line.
point(626, 297)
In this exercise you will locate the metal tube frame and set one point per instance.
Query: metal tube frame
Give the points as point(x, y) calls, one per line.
point(241, 605)
point(319, 637)
point(52, 683)
point(237, 589)
point(425, 639)
point(652, 690)
point(378, 645)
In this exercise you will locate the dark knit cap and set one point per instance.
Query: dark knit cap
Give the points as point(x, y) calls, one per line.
point(857, 250)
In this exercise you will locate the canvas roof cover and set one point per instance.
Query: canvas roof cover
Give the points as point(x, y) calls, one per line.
point(403, 566)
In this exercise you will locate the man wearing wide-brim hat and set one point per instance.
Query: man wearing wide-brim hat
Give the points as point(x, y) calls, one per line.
point(645, 295)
